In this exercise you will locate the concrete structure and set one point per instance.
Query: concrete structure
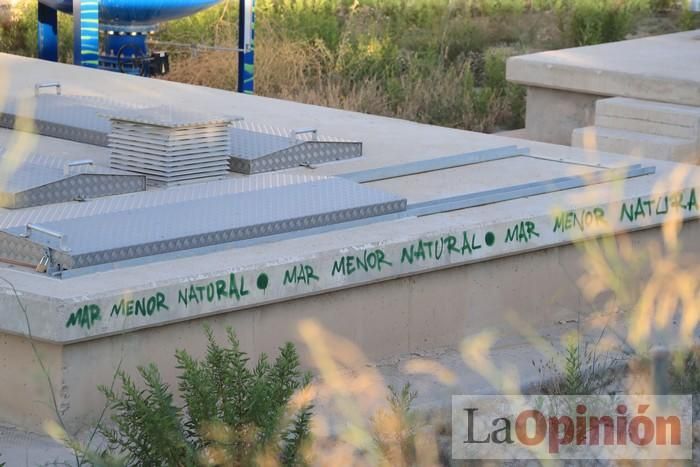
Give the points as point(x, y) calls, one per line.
point(393, 287)
point(643, 129)
point(564, 86)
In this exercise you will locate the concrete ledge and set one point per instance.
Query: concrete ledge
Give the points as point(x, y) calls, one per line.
point(662, 68)
point(95, 315)
point(635, 144)
point(656, 118)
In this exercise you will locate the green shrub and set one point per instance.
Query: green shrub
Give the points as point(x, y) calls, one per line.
point(685, 372)
point(663, 6)
point(18, 30)
point(498, 7)
point(688, 20)
point(304, 19)
point(232, 414)
point(579, 371)
point(369, 57)
point(395, 429)
point(588, 22)
point(494, 78)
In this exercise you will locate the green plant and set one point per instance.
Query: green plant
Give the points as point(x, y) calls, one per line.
point(588, 22)
point(232, 414)
point(688, 20)
point(574, 377)
point(395, 429)
point(685, 372)
point(580, 370)
point(18, 30)
point(663, 6)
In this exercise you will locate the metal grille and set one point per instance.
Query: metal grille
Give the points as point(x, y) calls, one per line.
point(169, 146)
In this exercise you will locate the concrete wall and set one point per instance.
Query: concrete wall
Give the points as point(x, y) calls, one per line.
point(552, 115)
point(436, 309)
point(25, 397)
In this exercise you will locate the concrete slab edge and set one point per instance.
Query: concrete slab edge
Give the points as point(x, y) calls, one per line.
point(530, 72)
point(93, 316)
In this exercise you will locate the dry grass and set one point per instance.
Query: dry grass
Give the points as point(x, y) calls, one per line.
point(308, 72)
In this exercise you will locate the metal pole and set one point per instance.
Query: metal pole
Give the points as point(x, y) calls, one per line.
point(48, 33)
point(86, 33)
point(246, 44)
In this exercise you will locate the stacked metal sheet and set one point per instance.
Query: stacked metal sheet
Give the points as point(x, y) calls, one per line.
point(41, 180)
point(258, 148)
point(97, 239)
point(76, 118)
point(169, 146)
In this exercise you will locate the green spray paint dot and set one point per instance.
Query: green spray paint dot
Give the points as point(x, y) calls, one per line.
point(490, 239)
point(263, 281)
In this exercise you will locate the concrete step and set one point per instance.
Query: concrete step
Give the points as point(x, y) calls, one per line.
point(633, 143)
point(656, 118)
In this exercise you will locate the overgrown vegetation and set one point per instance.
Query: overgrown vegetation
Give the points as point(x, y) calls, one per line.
point(232, 414)
point(395, 428)
point(432, 61)
point(685, 372)
point(580, 370)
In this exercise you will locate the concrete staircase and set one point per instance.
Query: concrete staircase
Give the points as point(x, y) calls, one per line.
point(640, 128)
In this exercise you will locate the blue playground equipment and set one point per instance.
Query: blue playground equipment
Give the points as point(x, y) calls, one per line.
point(125, 25)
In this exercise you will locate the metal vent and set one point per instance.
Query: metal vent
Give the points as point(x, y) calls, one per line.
point(41, 180)
point(169, 146)
point(107, 238)
point(258, 148)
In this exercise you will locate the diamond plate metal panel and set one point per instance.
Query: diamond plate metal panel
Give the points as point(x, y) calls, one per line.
point(154, 198)
point(78, 187)
point(194, 224)
point(19, 250)
point(39, 180)
point(257, 148)
point(167, 117)
point(76, 118)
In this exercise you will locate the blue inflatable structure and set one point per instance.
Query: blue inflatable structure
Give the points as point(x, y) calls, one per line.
point(125, 25)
